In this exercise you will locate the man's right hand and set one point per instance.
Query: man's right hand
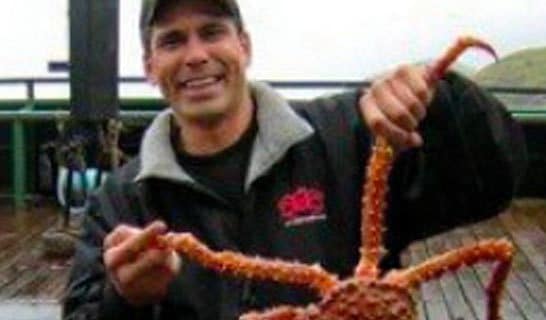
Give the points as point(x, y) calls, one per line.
point(139, 272)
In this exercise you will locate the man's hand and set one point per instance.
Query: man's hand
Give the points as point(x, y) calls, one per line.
point(395, 105)
point(140, 272)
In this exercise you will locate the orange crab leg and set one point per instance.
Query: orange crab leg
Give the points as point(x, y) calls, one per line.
point(380, 163)
point(373, 204)
point(277, 313)
point(238, 265)
point(439, 68)
point(486, 250)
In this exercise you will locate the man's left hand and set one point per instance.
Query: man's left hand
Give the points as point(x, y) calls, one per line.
point(395, 104)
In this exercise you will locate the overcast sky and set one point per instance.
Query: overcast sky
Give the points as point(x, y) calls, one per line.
point(298, 39)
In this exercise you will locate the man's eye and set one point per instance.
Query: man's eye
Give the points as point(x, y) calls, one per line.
point(170, 42)
point(212, 33)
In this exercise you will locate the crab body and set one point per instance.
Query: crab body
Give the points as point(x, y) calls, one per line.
point(365, 299)
point(352, 299)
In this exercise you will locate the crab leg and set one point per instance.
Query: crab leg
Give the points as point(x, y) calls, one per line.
point(380, 163)
point(438, 69)
point(277, 313)
point(501, 251)
point(373, 204)
point(236, 264)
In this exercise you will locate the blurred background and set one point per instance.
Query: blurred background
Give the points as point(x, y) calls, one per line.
point(73, 92)
point(292, 40)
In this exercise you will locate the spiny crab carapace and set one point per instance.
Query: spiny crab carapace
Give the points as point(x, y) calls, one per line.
point(366, 295)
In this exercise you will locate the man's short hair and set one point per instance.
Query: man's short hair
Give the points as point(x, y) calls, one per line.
point(151, 8)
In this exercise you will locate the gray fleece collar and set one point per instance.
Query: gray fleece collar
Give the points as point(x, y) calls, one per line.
point(279, 128)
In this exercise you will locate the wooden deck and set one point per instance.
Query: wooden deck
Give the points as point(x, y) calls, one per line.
point(31, 285)
point(461, 295)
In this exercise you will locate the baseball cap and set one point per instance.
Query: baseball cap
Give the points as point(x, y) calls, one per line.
point(228, 8)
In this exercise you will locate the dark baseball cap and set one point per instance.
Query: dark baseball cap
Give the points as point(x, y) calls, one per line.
point(227, 8)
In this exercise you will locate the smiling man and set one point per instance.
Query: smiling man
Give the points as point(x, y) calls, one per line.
point(199, 61)
point(198, 56)
point(243, 169)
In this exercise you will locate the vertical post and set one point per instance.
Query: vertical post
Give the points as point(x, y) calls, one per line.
point(94, 30)
point(19, 163)
point(30, 90)
point(20, 158)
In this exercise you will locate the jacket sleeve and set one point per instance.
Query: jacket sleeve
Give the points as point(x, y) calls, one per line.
point(90, 295)
point(473, 157)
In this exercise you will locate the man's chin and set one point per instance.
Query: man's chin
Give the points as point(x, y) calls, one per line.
point(201, 115)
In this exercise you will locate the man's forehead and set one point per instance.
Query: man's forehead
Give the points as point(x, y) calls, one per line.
point(158, 13)
point(171, 10)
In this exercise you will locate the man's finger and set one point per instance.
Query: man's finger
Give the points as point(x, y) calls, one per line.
point(133, 246)
point(379, 124)
point(415, 140)
point(149, 262)
point(395, 111)
point(117, 236)
point(408, 99)
point(416, 79)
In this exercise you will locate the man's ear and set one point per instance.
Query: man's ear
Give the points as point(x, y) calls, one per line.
point(246, 44)
point(149, 69)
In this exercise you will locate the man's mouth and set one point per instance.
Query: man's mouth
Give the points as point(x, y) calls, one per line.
point(201, 82)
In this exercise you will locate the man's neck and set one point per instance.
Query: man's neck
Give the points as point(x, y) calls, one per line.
point(210, 137)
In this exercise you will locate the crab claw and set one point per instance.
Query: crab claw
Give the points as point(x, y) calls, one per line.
point(439, 68)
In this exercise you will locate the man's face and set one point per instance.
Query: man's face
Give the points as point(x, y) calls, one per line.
point(199, 62)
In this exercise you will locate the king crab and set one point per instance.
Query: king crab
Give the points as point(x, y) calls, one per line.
point(366, 295)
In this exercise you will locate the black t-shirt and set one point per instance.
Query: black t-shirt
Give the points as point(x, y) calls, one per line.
point(223, 172)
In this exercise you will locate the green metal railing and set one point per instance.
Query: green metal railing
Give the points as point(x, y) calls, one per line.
point(29, 110)
point(529, 116)
point(19, 118)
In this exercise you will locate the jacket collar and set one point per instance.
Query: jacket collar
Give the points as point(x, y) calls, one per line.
point(279, 128)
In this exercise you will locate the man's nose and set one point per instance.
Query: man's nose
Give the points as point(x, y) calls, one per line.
point(196, 54)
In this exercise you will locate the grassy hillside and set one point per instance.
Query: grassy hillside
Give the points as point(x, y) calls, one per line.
point(526, 68)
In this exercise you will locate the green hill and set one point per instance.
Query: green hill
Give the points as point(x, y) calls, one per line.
point(526, 68)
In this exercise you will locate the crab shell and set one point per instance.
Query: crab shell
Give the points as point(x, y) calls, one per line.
point(352, 299)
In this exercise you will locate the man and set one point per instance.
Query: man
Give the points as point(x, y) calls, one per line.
point(232, 162)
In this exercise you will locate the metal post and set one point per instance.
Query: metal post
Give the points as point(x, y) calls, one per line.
point(94, 59)
point(30, 91)
point(19, 157)
point(19, 164)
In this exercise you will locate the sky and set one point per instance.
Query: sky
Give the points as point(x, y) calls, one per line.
point(295, 39)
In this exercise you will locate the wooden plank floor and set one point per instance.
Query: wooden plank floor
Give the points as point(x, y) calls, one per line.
point(461, 295)
point(31, 285)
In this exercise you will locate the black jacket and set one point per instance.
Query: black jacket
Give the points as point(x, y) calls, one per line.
point(302, 203)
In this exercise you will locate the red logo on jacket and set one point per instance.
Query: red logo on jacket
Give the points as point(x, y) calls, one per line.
point(302, 206)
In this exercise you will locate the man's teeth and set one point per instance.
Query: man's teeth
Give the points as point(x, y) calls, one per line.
point(201, 82)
